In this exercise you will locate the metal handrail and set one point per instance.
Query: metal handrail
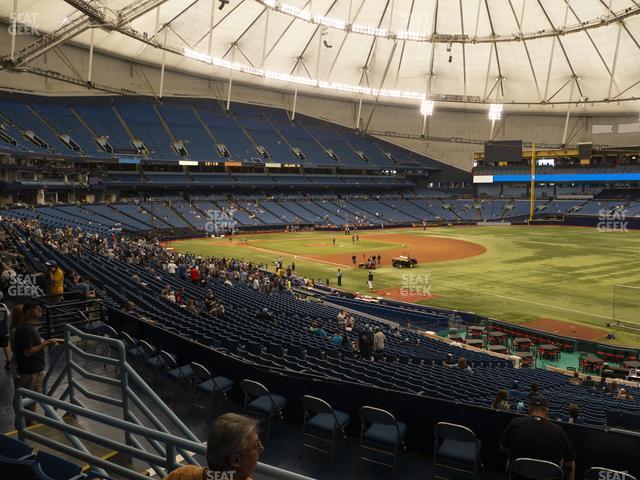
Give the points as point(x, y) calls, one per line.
point(166, 444)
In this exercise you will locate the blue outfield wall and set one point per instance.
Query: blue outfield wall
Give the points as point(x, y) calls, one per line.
point(594, 446)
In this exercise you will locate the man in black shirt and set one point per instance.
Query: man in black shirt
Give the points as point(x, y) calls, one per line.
point(29, 350)
point(535, 436)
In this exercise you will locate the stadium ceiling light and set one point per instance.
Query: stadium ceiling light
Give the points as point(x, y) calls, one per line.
point(426, 107)
point(309, 82)
point(307, 16)
point(495, 111)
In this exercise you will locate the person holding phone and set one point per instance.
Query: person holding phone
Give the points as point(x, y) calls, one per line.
point(29, 350)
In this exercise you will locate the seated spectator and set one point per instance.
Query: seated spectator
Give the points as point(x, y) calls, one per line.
point(588, 382)
point(573, 415)
point(534, 436)
point(533, 391)
point(341, 318)
point(209, 300)
point(501, 402)
point(450, 361)
point(180, 296)
point(463, 365)
point(575, 379)
point(623, 394)
point(614, 388)
point(317, 329)
point(171, 296)
point(515, 393)
point(264, 314)
point(192, 307)
point(337, 339)
point(233, 450)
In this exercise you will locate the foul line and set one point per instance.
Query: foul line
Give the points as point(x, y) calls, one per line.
point(285, 254)
point(527, 301)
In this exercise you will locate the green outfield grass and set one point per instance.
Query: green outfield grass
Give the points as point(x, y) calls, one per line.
point(526, 273)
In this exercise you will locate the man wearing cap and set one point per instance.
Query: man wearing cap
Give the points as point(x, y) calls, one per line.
point(55, 281)
point(29, 350)
point(535, 436)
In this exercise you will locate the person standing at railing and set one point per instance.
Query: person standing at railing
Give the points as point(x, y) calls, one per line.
point(29, 351)
point(55, 281)
point(233, 450)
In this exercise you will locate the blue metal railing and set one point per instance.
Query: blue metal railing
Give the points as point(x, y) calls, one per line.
point(166, 445)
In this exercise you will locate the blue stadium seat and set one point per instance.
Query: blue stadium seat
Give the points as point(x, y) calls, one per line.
point(456, 448)
point(380, 433)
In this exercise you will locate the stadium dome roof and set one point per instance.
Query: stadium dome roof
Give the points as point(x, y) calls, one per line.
point(467, 52)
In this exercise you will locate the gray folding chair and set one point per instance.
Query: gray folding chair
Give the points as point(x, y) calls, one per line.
point(380, 435)
point(456, 448)
point(534, 469)
point(262, 403)
point(323, 424)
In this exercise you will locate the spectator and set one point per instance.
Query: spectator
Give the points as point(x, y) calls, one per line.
point(575, 380)
point(218, 310)
point(534, 436)
point(378, 340)
point(29, 351)
point(4, 336)
point(533, 391)
point(337, 339)
point(515, 393)
point(463, 365)
point(588, 382)
point(55, 281)
point(365, 343)
point(501, 401)
point(450, 361)
point(317, 329)
point(83, 287)
point(171, 267)
point(192, 307)
point(195, 275)
point(180, 296)
point(233, 449)
point(573, 415)
point(623, 394)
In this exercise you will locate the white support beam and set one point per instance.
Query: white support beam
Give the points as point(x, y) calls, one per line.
point(566, 120)
point(90, 72)
point(212, 20)
point(615, 60)
point(164, 53)
point(14, 29)
point(233, 57)
point(264, 39)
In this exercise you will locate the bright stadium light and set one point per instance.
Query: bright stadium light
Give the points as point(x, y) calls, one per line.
point(426, 107)
point(495, 111)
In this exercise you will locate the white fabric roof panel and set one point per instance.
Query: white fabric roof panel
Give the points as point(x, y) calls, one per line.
point(461, 66)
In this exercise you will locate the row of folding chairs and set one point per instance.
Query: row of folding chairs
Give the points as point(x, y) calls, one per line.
point(17, 461)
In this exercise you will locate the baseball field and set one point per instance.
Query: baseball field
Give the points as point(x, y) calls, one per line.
point(553, 278)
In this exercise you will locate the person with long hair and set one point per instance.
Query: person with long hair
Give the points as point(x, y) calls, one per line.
point(501, 402)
